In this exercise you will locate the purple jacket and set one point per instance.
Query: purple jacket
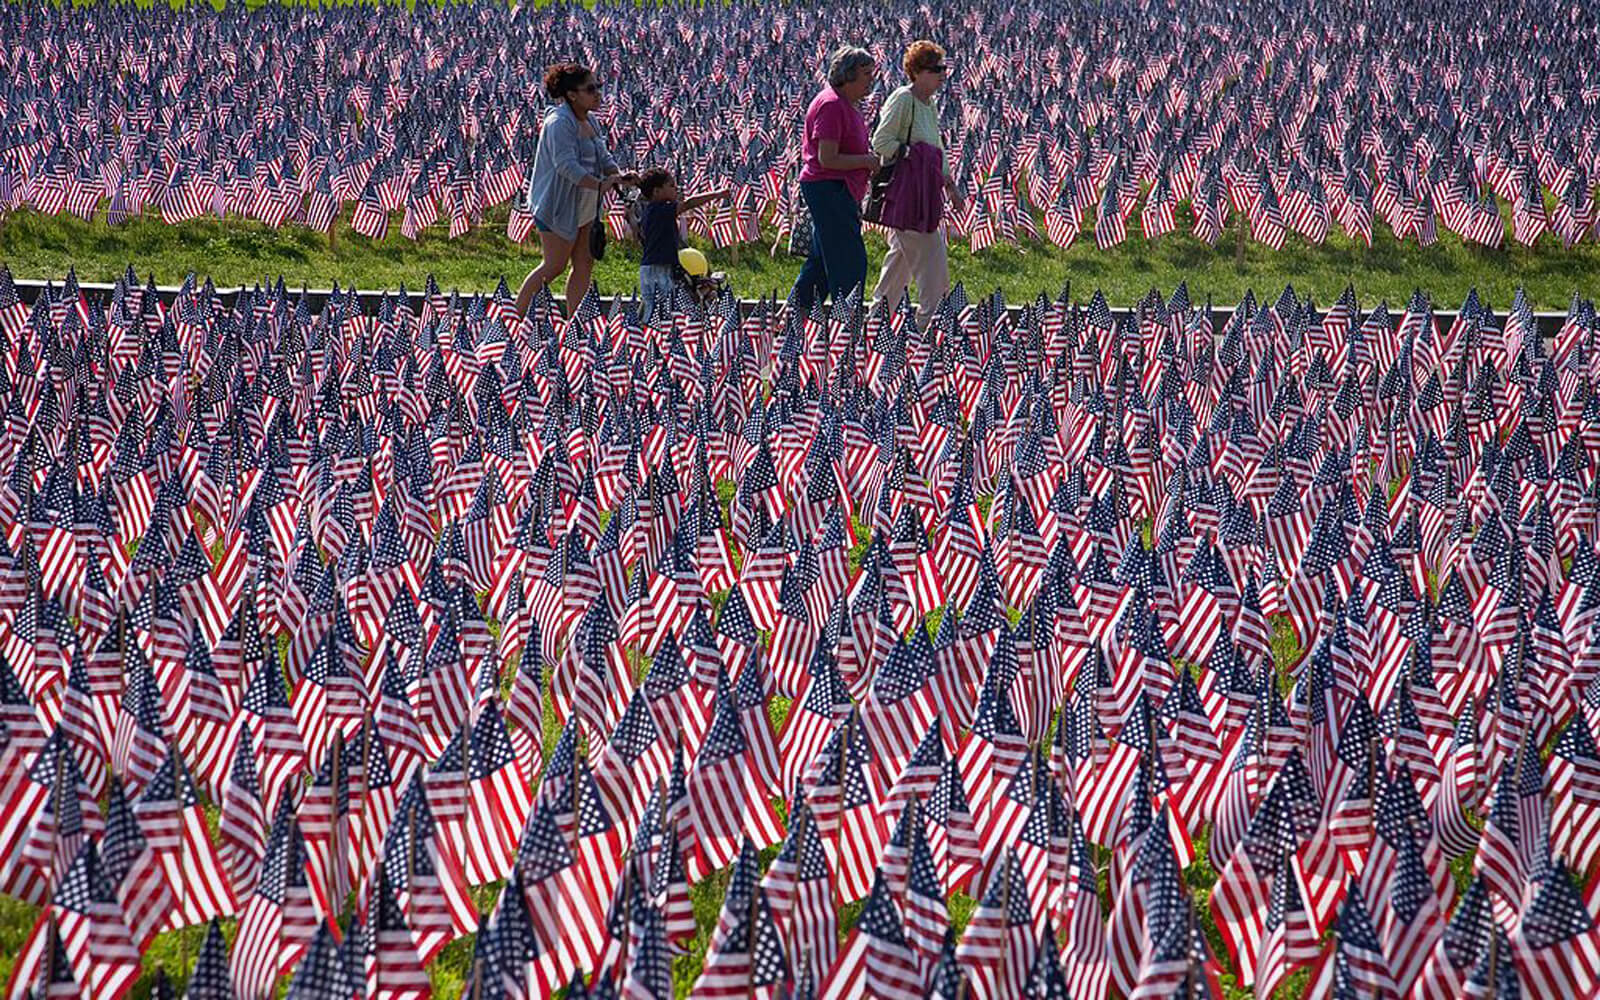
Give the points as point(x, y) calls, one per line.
point(915, 199)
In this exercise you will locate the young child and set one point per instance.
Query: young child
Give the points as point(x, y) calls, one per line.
point(658, 228)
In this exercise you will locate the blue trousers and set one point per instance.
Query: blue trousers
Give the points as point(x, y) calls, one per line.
point(837, 264)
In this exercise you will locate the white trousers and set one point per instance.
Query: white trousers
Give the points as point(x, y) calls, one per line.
point(920, 259)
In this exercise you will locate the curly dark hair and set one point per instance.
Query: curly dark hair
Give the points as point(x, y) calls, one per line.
point(560, 79)
point(652, 179)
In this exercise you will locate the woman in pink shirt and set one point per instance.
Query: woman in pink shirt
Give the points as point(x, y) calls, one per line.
point(836, 159)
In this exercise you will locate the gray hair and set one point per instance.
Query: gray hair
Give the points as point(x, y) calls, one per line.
point(846, 62)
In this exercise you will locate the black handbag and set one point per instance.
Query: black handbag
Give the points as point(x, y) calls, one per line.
point(878, 186)
point(597, 231)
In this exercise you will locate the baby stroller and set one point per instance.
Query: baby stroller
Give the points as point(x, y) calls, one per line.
point(695, 276)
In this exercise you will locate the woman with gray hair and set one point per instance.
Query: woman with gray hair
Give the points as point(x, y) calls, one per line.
point(836, 159)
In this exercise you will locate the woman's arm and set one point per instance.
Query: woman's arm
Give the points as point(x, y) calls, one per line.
point(892, 123)
point(952, 190)
point(831, 159)
point(828, 129)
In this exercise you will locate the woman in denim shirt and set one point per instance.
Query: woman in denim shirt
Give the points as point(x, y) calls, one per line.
point(572, 170)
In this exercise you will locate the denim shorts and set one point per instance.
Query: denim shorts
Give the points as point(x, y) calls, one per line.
point(656, 282)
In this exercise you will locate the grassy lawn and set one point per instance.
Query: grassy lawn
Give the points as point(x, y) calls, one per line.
point(237, 251)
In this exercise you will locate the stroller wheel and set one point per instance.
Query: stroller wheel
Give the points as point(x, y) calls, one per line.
point(709, 288)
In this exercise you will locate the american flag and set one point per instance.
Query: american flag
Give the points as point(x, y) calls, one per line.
point(132, 867)
point(998, 950)
point(876, 960)
point(499, 798)
point(746, 957)
point(322, 973)
point(210, 980)
point(391, 966)
point(649, 972)
point(798, 888)
point(174, 821)
point(87, 916)
point(278, 920)
point(1556, 949)
point(927, 919)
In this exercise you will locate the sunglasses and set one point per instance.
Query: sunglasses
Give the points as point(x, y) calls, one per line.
point(589, 88)
point(940, 69)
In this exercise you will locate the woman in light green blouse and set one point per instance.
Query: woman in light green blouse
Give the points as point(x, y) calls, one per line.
point(916, 258)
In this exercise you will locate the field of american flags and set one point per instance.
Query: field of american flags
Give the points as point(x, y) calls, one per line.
point(1042, 654)
point(1098, 655)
